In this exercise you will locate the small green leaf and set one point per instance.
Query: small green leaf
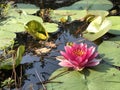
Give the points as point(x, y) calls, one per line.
point(50, 27)
point(28, 8)
point(6, 39)
point(74, 14)
point(8, 63)
point(115, 29)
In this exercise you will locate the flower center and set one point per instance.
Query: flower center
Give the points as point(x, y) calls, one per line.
point(78, 52)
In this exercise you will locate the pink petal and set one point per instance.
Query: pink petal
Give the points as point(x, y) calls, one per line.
point(64, 54)
point(67, 49)
point(84, 47)
point(90, 51)
point(93, 62)
point(66, 63)
point(93, 56)
point(60, 58)
point(83, 63)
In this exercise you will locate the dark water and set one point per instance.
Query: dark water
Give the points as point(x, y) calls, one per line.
point(38, 68)
point(50, 64)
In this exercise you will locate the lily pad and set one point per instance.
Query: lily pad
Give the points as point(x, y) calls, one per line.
point(6, 39)
point(18, 22)
point(75, 14)
point(111, 50)
point(115, 29)
point(100, 77)
point(50, 27)
point(97, 28)
point(90, 5)
point(28, 8)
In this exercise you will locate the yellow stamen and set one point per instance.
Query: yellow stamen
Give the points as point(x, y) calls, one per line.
point(78, 52)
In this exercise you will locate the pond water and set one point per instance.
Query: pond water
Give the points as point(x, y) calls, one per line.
point(38, 68)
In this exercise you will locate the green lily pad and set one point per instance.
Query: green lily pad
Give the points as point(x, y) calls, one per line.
point(75, 14)
point(101, 77)
point(97, 28)
point(50, 27)
point(8, 63)
point(6, 39)
point(90, 5)
point(115, 29)
point(28, 8)
point(102, 13)
point(18, 22)
point(111, 50)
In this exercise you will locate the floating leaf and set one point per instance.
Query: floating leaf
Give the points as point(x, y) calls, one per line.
point(97, 28)
point(18, 23)
point(75, 14)
point(37, 30)
point(97, 78)
point(8, 63)
point(13, 27)
point(90, 5)
point(115, 29)
point(102, 13)
point(28, 8)
point(111, 50)
point(6, 39)
point(50, 27)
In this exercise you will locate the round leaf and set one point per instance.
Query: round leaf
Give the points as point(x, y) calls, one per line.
point(111, 50)
point(50, 27)
point(18, 22)
point(6, 39)
point(75, 14)
point(67, 81)
point(115, 29)
point(100, 77)
point(90, 5)
point(28, 8)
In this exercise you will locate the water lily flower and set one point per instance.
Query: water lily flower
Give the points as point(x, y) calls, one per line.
point(78, 56)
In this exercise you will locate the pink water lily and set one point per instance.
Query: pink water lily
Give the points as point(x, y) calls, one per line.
point(78, 56)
